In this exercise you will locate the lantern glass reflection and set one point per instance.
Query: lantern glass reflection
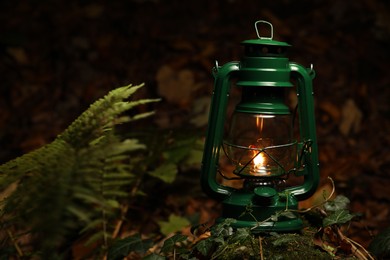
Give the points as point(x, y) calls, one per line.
point(261, 145)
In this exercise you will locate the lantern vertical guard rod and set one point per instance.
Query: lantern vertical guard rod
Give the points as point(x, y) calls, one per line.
point(311, 174)
point(214, 137)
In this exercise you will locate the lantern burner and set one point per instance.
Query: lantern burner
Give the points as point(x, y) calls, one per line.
point(278, 184)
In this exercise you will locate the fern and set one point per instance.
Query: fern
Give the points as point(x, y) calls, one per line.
point(77, 182)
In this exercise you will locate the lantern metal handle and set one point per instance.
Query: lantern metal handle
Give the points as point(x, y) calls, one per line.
point(304, 77)
point(214, 139)
point(271, 29)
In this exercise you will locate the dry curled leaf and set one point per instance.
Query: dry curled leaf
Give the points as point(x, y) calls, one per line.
point(351, 118)
point(19, 54)
point(176, 87)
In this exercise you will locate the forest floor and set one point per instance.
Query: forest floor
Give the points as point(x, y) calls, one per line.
point(57, 57)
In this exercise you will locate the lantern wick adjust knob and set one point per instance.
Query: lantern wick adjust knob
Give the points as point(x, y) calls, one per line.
point(271, 30)
point(265, 195)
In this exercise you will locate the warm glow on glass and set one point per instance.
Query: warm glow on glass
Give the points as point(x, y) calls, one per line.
point(259, 161)
point(260, 145)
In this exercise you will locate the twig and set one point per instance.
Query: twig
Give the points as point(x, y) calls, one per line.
point(124, 210)
point(354, 246)
point(119, 224)
point(261, 248)
point(319, 204)
point(286, 205)
point(261, 222)
point(17, 247)
point(220, 253)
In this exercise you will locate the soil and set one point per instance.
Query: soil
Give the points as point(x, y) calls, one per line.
point(57, 57)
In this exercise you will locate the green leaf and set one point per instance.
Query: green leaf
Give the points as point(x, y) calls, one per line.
point(89, 198)
point(166, 172)
point(224, 228)
point(170, 243)
point(194, 157)
point(113, 204)
point(176, 155)
point(142, 115)
point(97, 140)
point(340, 216)
point(240, 235)
point(126, 146)
point(79, 212)
point(122, 247)
point(115, 193)
point(95, 224)
point(174, 224)
point(204, 246)
point(219, 240)
point(120, 175)
point(285, 213)
point(340, 202)
point(99, 236)
point(114, 159)
point(179, 150)
point(116, 183)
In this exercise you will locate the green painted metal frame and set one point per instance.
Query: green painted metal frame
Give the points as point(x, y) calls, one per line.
point(258, 70)
point(217, 119)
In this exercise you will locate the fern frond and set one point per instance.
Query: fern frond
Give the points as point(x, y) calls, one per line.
point(80, 176)
point(119, 171)
point(79, 212)
point(95, 224)
point(115, 193)
point(101, 115)
point(96, 237)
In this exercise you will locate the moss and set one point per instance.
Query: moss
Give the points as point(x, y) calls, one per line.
point(292, 246)
point(277, 247)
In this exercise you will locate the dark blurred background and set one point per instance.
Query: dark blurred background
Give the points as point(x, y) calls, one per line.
point(57, 57)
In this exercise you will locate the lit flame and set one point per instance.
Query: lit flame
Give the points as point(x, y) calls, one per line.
point(258, 161)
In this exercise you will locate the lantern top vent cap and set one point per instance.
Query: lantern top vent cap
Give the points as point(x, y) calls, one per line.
point(262, 40)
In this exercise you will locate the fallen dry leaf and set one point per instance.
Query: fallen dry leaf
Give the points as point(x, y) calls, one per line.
point(351, 118)
point(176, 86)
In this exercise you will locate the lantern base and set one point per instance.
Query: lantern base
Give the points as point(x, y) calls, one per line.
point(263, 210)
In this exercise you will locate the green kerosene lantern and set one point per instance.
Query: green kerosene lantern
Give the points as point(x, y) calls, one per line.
point(260, 142)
